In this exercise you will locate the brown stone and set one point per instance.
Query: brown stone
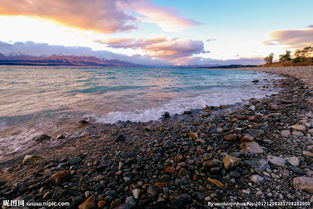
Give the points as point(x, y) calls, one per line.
point(209, 164)
point(231, 137)
point(89, 203)
point(60, 176)
point(251, 147)
point(200, 150)
point(247, 138)
point(115, 203)
point(178, 157)
point(182, 172)
point(252, 118)
point(31, 159)
point(303, 183)
point(193, 135)
point(160, 185)
point(216, 182)
point(230, 161)
point(102, 203)
point(170, 170)
point(307, 153)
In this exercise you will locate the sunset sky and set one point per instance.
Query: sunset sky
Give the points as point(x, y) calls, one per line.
point(157, 31)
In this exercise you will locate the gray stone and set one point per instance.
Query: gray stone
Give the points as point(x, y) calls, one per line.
point(297, 133)
point(130, 201)
point(136, 193)
point(168, 144)
point(278, 161)
point(256, 179)
point(256, 132)
point(152, 190)
point(75, 160)
point(258, 165)
point(294, 161)
point(285, 133)
point(42, 138)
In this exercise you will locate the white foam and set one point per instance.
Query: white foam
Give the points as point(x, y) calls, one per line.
point(177, 106)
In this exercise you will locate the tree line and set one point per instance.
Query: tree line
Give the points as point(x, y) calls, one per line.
point(299, 55)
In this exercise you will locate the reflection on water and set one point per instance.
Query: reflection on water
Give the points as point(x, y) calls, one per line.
point(36, 99)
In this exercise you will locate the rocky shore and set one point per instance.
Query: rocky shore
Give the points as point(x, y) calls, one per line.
point(258, 152)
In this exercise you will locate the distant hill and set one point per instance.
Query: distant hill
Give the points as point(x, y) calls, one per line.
point(62, 61)
point(216, 66)
point(293, 62)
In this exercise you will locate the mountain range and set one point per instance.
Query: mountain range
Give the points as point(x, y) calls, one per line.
point(18, 59)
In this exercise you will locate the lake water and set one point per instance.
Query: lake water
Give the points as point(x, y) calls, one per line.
point(35, 99)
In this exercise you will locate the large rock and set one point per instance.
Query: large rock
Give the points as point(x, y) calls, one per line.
point(251, 148)
point(60, 176)
point(230, 161)
point(303, 183)
point(278, 161)
point(31, 159)
point(89, 203)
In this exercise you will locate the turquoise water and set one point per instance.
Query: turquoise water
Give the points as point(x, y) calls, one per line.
point(33, 99)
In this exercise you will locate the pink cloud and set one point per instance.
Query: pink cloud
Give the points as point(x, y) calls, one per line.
point(171, 49)
point(292, 38)
point(166, 18)
point(107, 16)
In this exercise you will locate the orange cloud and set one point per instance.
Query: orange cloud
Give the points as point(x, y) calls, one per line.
point(106, 16)
point(172, 49)
point(292, 38)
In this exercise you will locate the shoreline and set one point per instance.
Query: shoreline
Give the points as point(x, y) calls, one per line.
point(185, 161)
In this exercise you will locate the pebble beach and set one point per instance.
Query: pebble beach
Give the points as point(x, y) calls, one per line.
point(261, 151)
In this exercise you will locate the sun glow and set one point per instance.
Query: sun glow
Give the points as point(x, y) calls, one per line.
point(22, 29)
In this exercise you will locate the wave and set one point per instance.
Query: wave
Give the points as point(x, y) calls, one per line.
point(179, 105)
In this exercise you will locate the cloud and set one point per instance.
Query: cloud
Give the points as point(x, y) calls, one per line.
point(106, 16)
point(240, 61)
point(42, 49)
point(167, 18)
point(292, 38)
point(170, 49)
point(210, 39)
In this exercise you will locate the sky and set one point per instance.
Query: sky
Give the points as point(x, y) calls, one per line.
point(176, 32)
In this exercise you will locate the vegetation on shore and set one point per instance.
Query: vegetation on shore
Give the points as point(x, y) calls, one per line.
point(301, 57)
